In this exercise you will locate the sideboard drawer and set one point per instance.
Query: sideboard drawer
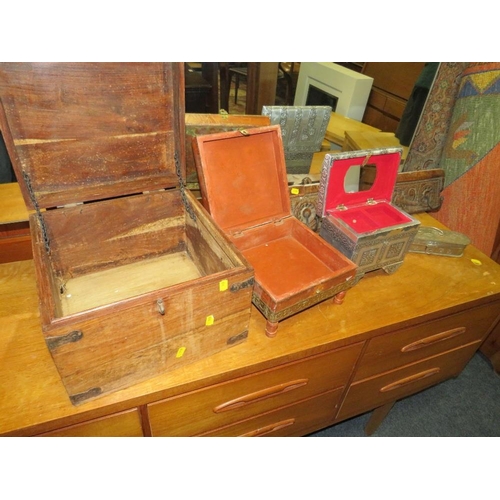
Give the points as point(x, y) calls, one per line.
point(376, 391)
point(403, 347)
point(295, 420)
point(15, 242)
point(201, 411)
point(125, 424)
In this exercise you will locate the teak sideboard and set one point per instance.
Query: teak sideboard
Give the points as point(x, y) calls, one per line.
point(393, 336)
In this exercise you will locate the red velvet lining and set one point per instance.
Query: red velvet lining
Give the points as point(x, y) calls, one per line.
point(367, 218)
point(244, 177)
point(387, 165)
point(285, 267)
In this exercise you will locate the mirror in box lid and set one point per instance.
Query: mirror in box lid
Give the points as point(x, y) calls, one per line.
point(339, 187)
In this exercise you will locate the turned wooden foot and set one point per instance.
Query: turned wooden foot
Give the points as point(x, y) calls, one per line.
point(339, 298)
point(271, 328)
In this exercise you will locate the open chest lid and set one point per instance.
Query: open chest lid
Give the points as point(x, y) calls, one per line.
point(243, 177)
point(335, 192)
point(79, 132)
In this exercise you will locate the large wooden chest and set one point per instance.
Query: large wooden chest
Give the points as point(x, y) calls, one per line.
point(360, 220)
point(244, 185)
point(134, 277)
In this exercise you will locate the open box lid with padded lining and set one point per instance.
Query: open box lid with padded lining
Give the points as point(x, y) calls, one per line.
point(246, 184)
point(336, 166)
point(337, 199)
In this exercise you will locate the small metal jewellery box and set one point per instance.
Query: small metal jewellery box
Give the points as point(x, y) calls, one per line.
point(363, 223)
point(434, 241)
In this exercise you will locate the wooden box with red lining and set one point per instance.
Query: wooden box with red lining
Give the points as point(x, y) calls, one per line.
point(363, 223)
point(134, 277)
point(244, 186)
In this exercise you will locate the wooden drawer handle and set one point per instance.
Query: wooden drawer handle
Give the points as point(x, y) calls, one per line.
point(254, 397)
point(269, 428)
point(410, 380)
point(433, 339)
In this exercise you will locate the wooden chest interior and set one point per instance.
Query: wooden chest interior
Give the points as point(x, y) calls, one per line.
point(147, 243)
point(244, 186)
point(134, 277)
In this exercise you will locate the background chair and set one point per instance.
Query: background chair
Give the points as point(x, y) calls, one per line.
point(240, 71)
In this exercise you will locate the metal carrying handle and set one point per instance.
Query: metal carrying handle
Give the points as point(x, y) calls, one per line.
point(432, 229)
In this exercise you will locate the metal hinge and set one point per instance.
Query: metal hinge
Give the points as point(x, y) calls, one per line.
point(187, 206)
point(276, 222)
point(43, 227)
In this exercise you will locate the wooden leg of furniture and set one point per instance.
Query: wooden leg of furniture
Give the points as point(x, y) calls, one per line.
point(495, 361)
point(223, 90)
point(236, 87)
point(491, 347)
point(377, 417)
point(339, 298)
point(15, 242)
point(271, 328)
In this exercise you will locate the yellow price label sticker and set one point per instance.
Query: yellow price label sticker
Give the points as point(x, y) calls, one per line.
point(180, 352)
point(210, 320)
point(295, 190)
point(223, 285)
